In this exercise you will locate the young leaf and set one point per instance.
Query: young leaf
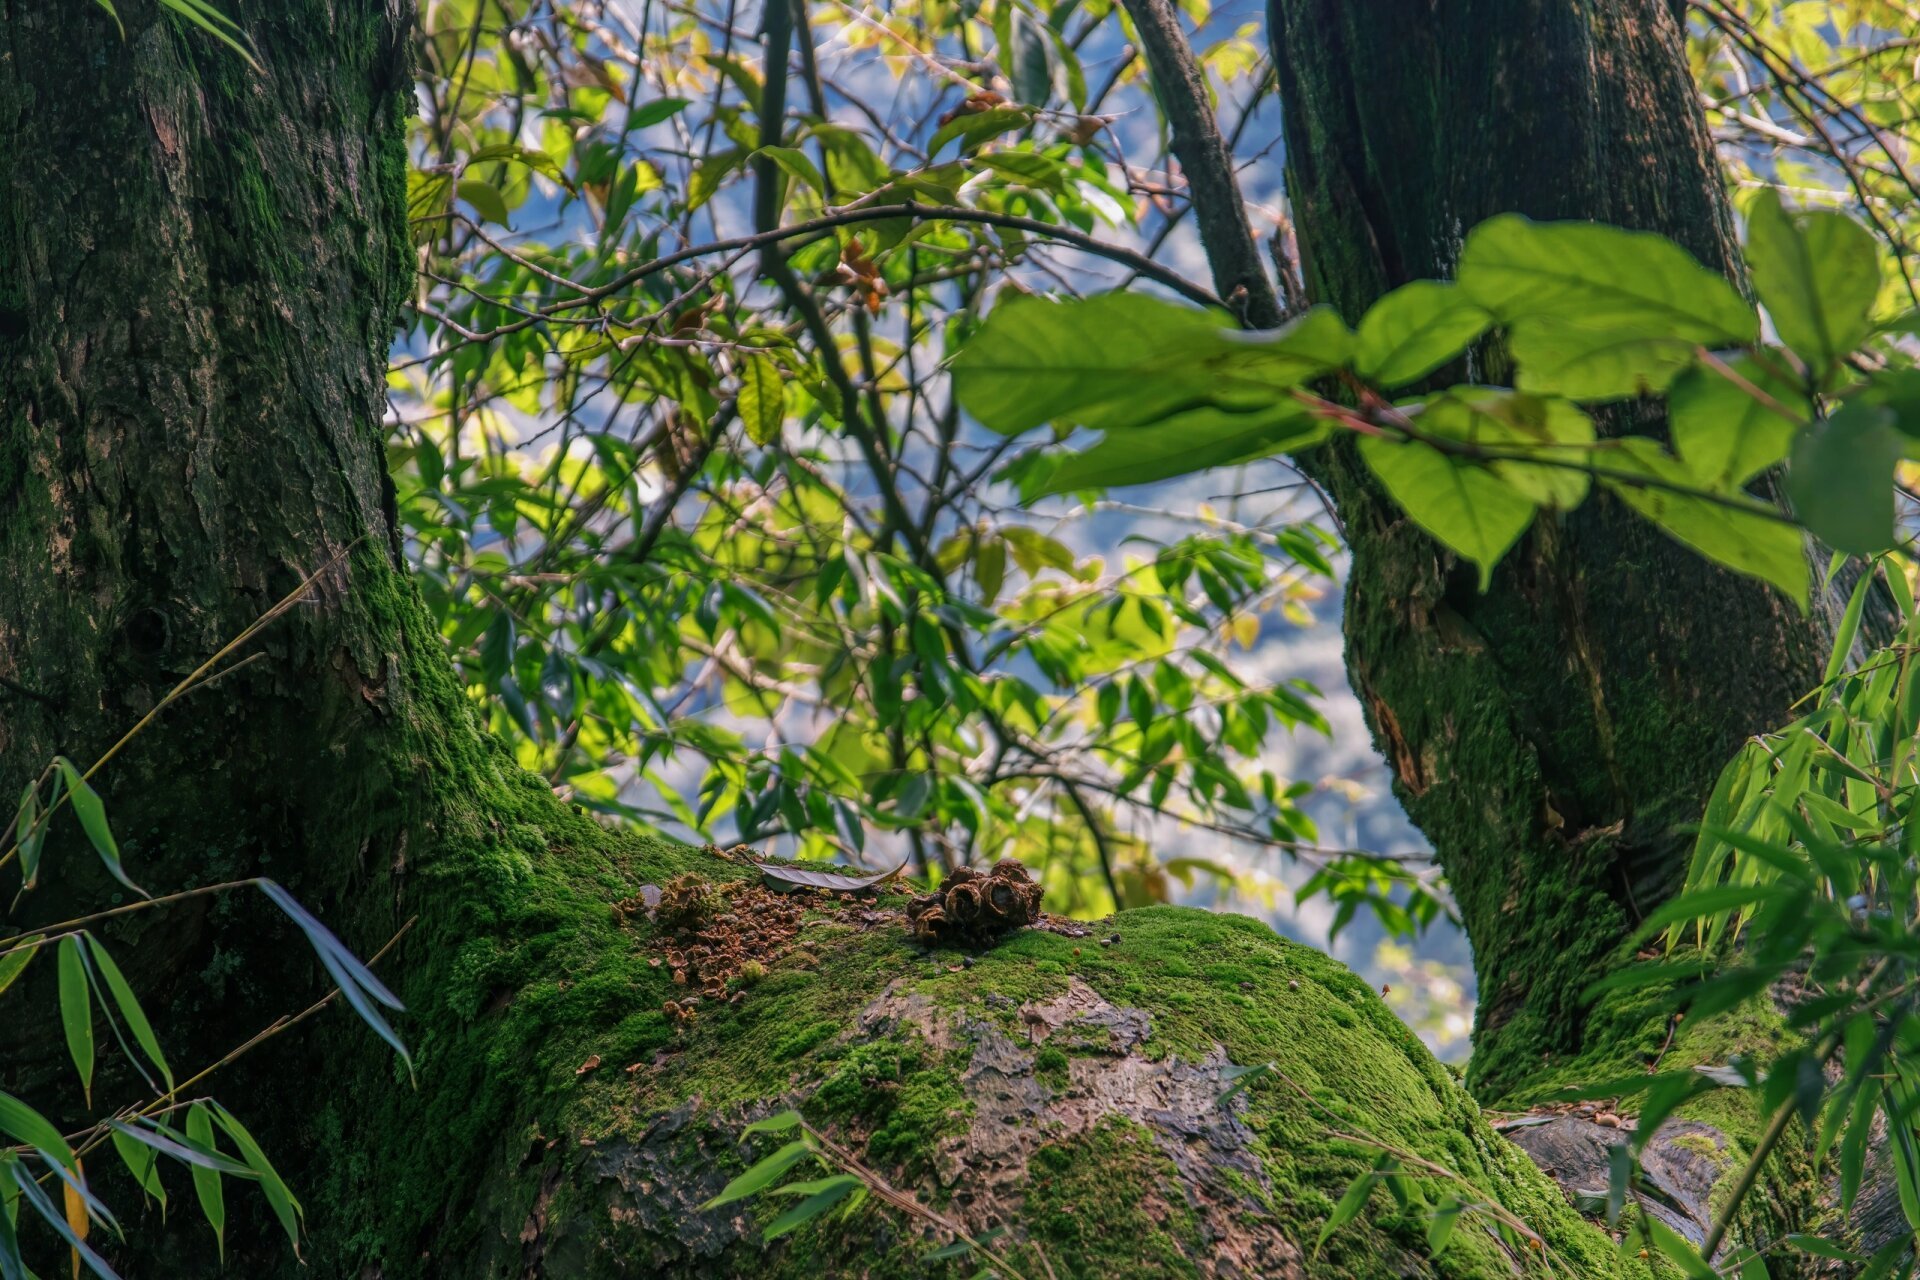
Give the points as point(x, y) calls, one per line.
point(1465, 506)
point(76, 1011)
point(779, 1122)
point(129, 1006)
point(206, 1182)
point(93, 819)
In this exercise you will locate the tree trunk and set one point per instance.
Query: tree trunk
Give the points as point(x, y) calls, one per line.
point(1551, 735)
point(203, 266)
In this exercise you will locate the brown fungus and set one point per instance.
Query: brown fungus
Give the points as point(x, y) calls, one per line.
point(973, 908)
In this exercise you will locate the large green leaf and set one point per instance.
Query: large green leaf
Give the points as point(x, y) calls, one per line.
point(1735, 530)
point(1613, 279)
point(1414, 330)
point(1818, 273)
point(1723, 432)
point(1191, 441)
point(1464, 505)
point(1124, 360)
point(1554, 430)
point(1841, 480)
point(1594, 359)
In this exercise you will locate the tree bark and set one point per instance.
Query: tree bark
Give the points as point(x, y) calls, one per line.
point(1552, 735)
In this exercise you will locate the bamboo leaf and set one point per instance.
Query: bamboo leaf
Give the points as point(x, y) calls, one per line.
point(29, 1126)
point(129, 1006)
point(42, 1205)
point(181, 1147)
point(206, 1182)
point(143, 1162)
point(762, 1174)
point(93, 819)
point(15, 962)
point(825, 1194)
point(76, 1011)
point(285, 1207)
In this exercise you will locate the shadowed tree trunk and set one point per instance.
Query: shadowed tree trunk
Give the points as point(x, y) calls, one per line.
point(202, 269)
point(1551, 735)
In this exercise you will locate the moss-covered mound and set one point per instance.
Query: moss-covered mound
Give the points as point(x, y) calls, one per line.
point(1066, 1090)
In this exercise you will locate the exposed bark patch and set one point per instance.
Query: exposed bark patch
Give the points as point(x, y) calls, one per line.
point(1107, 1075)
point(1681, 1164)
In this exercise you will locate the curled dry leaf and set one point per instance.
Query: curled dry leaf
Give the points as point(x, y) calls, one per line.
point(593, 1060)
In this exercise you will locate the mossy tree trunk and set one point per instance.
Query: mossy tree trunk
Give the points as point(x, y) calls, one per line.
point(1551, 735)
point(202, 265)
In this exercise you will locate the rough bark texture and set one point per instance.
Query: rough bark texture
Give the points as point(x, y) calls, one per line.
point(1550, 735)
point(202, 269)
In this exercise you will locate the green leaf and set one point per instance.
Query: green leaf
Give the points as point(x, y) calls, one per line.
point(485, 199)
point(143, 1162)
point(763, 405)
point(76, 1011)
point(24, 1124)
point(798, 166)
point(1552, 429)
point(19, 955)
point(1414, 330)
point(1594, 360)
point(1723, 432)
point(654, 112)
point(1818, 273)
point(1468, 508)
point(1028, 59)
point(1352, 1202)
point(279, 1198)
point(212, 21)
point(1123, 360)
point(709, 173)
point(1600, 275)
point(1735, 530)
point(779, 1122)
point(1187, 442)
point(762, 1174)
point(30, 833)
point(206, 1182)
point(93, 820)
point(129, 1006)
point(1841, 478)
point(821, 1196)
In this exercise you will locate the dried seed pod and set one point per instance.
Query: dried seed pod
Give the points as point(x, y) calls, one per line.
point(970, 907)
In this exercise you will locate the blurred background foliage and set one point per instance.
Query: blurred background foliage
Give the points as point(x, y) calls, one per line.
point(710, 540)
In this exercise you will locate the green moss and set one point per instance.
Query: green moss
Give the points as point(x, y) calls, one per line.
point(1050, 1065)
point(1109, 1203)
